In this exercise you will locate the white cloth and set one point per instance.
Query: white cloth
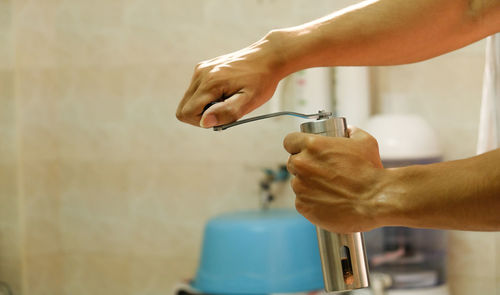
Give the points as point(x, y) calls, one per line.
point(489, 124)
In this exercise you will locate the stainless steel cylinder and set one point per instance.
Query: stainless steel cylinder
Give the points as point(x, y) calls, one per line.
point(343, 256)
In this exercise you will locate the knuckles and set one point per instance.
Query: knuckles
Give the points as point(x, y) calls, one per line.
point(186, 116)
point(317, 144)
point(287, 142)
point(311, 142)
point(183, 114)
point(370, 141)
point(305, 209)
point(298, 164)
point(300, 206)
point(298, 186)
point(199, 68)
point(230, 113)
point(180, 115)
point(202, 65)
point(289, 166)
point(367, 139)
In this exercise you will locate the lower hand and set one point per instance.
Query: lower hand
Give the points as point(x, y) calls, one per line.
point(337, 180)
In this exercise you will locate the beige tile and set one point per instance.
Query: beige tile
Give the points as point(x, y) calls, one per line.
point(471, 284)
point(96, 273)
point(7, 48)
point(34, 14)
point(36, 92)
point(305, 12)
point(11, 272)
point(90, 46)
point(35, 49)
point(6, 36)
point(5, 15)
point(44, 274)
point(156, 274)
point(10, 244)
point(35, 35)
point(128, 32)
point(41, 207)
point(94, 215)
point(472, 254)
point(163, 31)
point(90, 115)
point(88, 15)
point(477, 48)
point(68, 33)
point(10, 254)
point(239, 14)
point(8, 191)
point(7, 117)
point(9, 239)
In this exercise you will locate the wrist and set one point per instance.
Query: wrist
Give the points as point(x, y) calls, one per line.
point(274, 48)
point(287, 50)
point(392, 200)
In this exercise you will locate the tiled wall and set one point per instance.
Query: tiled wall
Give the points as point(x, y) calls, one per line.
point(10, 227)
point(102, 191)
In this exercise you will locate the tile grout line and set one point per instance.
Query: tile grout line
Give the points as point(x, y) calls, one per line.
point(19, 159)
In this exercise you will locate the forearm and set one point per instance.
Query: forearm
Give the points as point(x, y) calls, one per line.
point(461, 195)
point(387, 32)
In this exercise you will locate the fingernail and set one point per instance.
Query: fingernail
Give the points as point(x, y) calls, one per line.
point(209, 121)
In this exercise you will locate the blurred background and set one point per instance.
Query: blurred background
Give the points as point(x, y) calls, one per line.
point(103, 191)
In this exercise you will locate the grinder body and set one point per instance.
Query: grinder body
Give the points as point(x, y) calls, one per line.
point(343, 256)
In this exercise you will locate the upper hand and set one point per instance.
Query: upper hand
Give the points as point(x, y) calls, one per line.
point(243, 80)
point(337, 180)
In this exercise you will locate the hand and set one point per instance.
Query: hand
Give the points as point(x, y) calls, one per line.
point(243, 80)
point(337, 180)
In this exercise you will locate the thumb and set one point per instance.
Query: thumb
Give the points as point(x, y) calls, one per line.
point(368, 143)
point(357, 133)
point(227, 111)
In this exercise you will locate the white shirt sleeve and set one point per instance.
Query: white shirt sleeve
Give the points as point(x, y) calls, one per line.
point(489, 124)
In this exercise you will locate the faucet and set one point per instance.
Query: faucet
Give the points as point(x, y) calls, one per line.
point(271, 176)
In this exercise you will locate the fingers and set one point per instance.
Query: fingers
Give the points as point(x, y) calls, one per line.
point(231, 104)
point(190, 112)
point(184, 114)
point(334, 179)
point(295, 142)
point(307, 149)
point(202, 90)
point(290, 165)
point(227, 111)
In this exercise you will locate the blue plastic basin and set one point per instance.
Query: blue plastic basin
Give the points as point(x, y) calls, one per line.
point(259, 252)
